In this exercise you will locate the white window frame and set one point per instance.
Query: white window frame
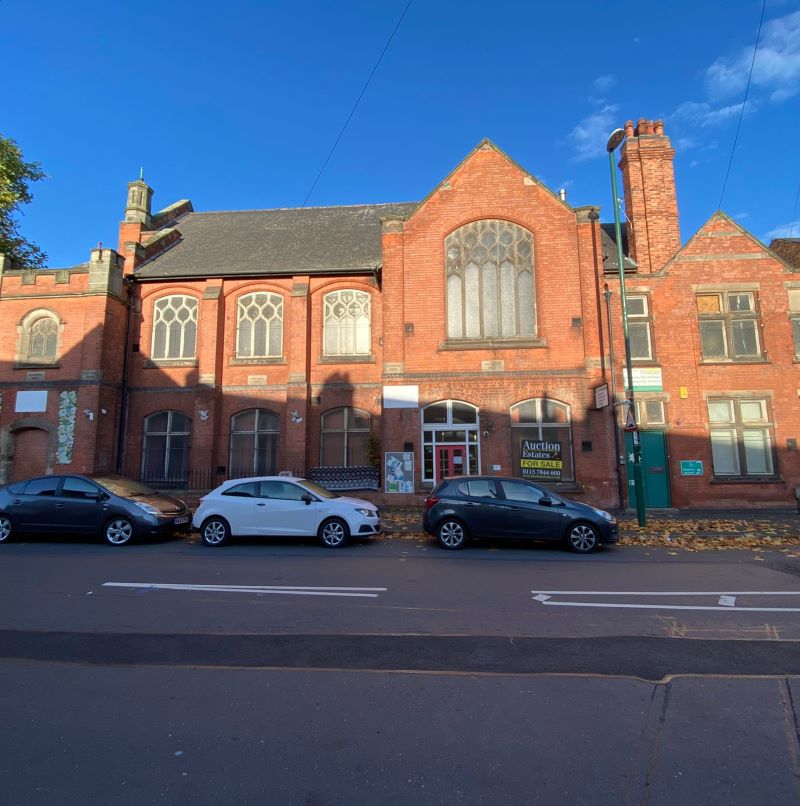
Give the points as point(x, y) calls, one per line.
point(186, 328)
point(349, 332)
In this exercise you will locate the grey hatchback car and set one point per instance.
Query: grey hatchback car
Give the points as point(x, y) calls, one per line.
point(116, 508)
point(496, 506)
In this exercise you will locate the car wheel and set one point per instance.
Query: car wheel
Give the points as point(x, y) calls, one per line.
point(215, 531)
point(582, 537)
point(118, 531)
point(333, 533)
point(452, 534)
point(5, 528)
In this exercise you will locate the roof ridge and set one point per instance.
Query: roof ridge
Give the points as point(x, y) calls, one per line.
point(287, 209)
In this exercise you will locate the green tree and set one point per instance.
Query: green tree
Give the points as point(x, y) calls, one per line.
point(16, 176)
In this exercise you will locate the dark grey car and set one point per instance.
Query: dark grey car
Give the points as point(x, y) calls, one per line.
point(497, 506)
point(115, 508)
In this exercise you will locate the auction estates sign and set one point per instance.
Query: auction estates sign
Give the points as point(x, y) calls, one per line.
point(540, 459)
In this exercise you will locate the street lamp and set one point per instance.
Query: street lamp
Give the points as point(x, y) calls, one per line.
point(614, 140)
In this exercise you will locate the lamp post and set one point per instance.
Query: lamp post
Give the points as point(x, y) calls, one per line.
point(617, 453)
point(614, 140)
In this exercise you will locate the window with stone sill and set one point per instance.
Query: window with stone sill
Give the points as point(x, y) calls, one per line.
point(650, 412)
point(174, 327)
point(254, 443)
point(343, 437)
point(39, 342)
point(741, 438)
point(489, 275)
point(794, 318)
point(640, 330)
point(729, 326)
point(259, 326)
point(347, 325)
point(165, 452)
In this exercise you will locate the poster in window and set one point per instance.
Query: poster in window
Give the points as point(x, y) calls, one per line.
point(541, 459)
point(399, 472)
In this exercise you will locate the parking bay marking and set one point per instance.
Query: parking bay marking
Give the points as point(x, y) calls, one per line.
point(290, 590)
point(726, 600)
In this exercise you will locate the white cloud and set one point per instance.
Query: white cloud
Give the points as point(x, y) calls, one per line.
point(790, 230)
point(776, 69)
point(741, 216)
point(604, 83)
point(703, 114)
point(590, 136)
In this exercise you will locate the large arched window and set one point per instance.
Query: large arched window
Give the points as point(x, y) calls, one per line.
point(259, 326)
point(174, 327)
point(347, 323)
point(490, 288)
point(165, 454)
point(343, 441)
point(39, 338)
point(541, 432)
point(254, 443)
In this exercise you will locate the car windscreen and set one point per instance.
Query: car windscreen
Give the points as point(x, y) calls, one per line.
point(313, 487)
point(124, 487)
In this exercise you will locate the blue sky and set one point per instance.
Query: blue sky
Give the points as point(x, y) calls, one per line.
point(236, 105)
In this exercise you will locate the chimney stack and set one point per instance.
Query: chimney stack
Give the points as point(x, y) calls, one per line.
point(648, 179)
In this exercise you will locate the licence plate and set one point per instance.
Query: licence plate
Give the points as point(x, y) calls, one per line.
point(181, 520)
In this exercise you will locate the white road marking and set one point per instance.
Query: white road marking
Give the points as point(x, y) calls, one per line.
point(291, 590)
point(726, 600)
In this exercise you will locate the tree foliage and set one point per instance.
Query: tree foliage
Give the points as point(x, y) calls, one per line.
point(16, 176)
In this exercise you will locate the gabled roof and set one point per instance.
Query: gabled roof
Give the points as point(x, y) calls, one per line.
point(720, 216)
point(485, 145)
point(303, 240)
point(608, 246)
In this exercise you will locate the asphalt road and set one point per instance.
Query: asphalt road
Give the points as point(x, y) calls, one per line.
point(393, 672)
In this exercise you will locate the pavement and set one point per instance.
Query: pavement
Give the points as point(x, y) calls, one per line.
point(694, 529)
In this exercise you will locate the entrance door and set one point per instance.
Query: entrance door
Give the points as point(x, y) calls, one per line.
point(449, 462)
point(654, 465)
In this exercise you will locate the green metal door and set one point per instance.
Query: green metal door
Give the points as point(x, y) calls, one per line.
point(654, 467)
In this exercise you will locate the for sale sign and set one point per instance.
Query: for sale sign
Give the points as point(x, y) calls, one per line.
point(541, 459)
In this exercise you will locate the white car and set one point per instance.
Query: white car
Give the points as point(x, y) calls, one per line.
point(282, 505)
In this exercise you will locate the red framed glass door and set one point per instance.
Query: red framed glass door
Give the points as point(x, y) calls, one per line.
point(449, 461)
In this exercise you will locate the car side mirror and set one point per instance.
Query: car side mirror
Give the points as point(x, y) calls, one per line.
point(546, 501)
point(307, 498)
point(98, 496)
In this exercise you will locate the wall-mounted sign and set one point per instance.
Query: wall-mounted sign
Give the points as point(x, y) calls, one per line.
point(645, 379)
point(401, 397)
point(601, 396)
point(691, 467)
point(540, 459)
point(399, 472)
point(31, 401)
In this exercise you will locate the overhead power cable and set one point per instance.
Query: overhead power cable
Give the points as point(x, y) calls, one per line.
point(355, 105)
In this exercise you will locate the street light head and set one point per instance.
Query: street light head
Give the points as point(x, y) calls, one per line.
point(614, 139)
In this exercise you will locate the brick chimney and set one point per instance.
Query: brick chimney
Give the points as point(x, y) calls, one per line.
point(648, 179)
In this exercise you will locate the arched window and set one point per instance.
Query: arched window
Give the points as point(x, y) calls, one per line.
point(490, 288)
point(541, 432)
point(174, 327)
point(165, 454)
point(254, 443)
point(344, 436)
point(39, 342)
point(347, 323)
point(259, 326)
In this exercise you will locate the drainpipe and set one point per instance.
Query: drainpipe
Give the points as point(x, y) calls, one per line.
point(617, 454)
point(123, 418)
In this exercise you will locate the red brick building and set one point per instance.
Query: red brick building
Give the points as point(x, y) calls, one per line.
point(468, 333)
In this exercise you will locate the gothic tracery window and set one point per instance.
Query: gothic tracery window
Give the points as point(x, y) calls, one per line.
point(175, 327)
point(347, 327)
point(490, 281)
point(259, 326)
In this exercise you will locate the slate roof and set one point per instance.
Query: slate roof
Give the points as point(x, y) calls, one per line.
point(309, 240)
point(608, 245)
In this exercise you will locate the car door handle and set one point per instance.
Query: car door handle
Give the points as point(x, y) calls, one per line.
point(59, 506)
point(260, 505)
point(472, 504)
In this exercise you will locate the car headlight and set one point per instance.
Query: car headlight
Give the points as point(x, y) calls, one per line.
point(370, 513)
point(603, 514)
point(148, 508)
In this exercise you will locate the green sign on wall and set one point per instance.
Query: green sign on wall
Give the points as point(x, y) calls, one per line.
point(691, 467)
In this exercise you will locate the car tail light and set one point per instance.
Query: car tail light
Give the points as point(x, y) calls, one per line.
point(430, 501)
